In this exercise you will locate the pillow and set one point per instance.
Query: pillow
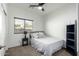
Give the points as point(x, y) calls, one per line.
point(35, 35)
point(41, 35)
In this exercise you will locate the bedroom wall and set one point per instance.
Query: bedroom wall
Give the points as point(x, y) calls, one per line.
point(78, 29)
point(6, 26)
point(3, 25)
point(56, 21)
point(14, 10)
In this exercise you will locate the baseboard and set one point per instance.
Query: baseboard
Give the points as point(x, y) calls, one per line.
point(78, 53)
point(14, 46)
point(6, 48)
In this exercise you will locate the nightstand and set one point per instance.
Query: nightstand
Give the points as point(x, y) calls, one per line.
point(24, 41)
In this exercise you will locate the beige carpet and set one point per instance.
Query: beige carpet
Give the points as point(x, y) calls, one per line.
point(29, 51)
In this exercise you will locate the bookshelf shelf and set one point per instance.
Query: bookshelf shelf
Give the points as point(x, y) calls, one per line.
point(71, 39)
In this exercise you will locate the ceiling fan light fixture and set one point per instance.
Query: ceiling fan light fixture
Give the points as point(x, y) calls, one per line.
point(40, 8)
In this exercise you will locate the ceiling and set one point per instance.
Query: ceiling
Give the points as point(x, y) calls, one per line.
point(49, 7)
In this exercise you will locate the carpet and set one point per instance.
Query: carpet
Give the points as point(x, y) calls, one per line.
point(29, 51)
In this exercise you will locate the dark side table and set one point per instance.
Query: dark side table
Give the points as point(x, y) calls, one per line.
point(24, 41)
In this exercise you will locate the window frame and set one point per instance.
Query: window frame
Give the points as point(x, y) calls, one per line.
point(24, 25)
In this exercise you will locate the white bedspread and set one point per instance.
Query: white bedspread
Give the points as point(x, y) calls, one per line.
point(47, 45)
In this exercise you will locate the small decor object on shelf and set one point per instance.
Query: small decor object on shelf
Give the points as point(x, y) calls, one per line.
point(25, 40)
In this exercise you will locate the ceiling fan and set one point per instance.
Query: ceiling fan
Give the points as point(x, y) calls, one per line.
point(39, 6)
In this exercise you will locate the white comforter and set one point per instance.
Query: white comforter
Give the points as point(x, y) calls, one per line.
point(47, 45)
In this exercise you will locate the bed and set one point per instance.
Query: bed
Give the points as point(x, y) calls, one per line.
point(46, 45)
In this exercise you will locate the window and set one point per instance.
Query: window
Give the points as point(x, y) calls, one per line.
point(22, 25)
point(19, 24)
point(28, 25)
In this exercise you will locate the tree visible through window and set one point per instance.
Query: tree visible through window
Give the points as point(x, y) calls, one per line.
point(22, 25)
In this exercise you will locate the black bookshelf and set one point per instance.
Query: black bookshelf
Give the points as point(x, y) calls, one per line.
point(71, 43)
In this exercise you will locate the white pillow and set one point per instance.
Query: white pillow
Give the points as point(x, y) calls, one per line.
point(35, 35)
point(38, 35)
point(41, 35)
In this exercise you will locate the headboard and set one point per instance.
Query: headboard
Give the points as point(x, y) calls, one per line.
point(36, 33)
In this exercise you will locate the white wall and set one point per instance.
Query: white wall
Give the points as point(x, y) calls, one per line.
point(78, 28)
point(2, 27)
point(57, 20)
point(6, 26)
point(19, 11)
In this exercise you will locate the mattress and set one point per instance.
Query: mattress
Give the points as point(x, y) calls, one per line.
point(47, 45)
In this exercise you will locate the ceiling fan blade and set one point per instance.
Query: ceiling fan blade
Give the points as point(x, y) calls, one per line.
point(41, 4)
point(33, 5)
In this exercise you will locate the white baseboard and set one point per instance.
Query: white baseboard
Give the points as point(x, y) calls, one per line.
point(77, 53)
point(6, 48)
